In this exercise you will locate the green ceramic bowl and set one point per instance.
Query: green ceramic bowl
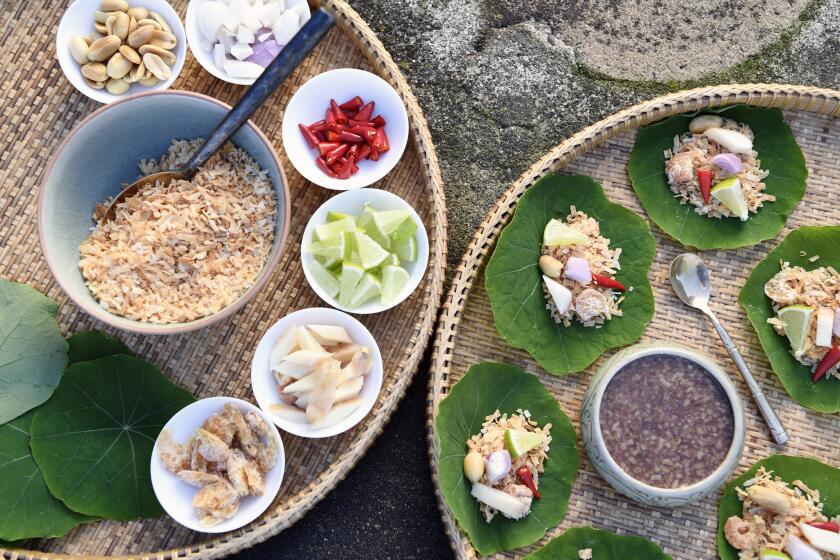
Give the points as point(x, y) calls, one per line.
point(102, 152)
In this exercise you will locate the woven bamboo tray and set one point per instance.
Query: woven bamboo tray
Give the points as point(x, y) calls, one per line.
point(466, 333)
point(39, 107)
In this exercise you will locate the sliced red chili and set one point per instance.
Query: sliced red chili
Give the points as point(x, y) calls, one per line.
point(340, 118)
point(524, 476)
point(333, 155)
point(308, 136)
point(352, 104)
point(380, 142)
point(378, 121)
point(364, 150)
point(605, 282)
point(350, 137)
point(353, 122)
point(826, 526)
point(346, 169)
point(333, 136)
point(831, 359)
point(704, 179)
point(326, 147)
point(322, 165)
point(366, 112)
point(352, 153)
point(318, 126)
point(373, 155)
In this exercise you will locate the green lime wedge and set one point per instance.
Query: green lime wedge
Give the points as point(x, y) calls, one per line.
point(365, 221)
point(797, 319)
point(337, 247)
point(391, 260)
point(388, 221)
point(324, 278)
point(368, 288)
point(561, 234)
point(729, 193)
point(403, 232)
point(351, 273)
point(394, 279)
point(519, 443)
point(333, 229)
point(371, 253)
point(406, 250)
point(336, 216)
point(770, 554)
point(328, 263)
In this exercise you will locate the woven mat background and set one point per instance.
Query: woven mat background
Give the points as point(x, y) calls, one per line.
point(39, 107)
point(467, 334)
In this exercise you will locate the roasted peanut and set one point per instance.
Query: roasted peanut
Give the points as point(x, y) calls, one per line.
point(95, 71)
point(136, 74)
point(141, 36)
point(132, 25)
point(138, 12)
point(118, 66)
point(159, 18)
point(149, 21)
point(94, 85)
point(78, 49)
point(148, 82)
point(120, 25)
point(101, 17)
point(109, 24)
point(163, 40)
point(473, 466)
point(117, 86)
point(131, 55)
point(100, 28)
point(157, 66)
point(103, 48)
point(167, 56)
point(550, 266)
point(114, 6)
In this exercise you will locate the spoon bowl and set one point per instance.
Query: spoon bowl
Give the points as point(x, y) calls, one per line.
point(690, 280)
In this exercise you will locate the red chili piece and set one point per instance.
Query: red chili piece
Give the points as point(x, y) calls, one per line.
point(325, 147)
point(346, 169)
point(378, 121)
point(374, 155)
point(826, 526)
point(333, 136)
point(363, 152)
point(366, 112)
point(350, 137)
point(353, 122)
point(605, 282)
point(831, 359)
point(318, 126)
point(524, 476)
point(308, 136)
point(340, 118)
point(704, 179)
point(380, 142)
point(352, 105)
point(333, 155)
point(323, 167)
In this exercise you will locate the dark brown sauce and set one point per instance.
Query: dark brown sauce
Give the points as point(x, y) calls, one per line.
point(666, 421)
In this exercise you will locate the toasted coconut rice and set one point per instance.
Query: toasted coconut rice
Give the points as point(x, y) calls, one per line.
point(492, 438)
point(760, 527)
point(186, 250)
point(816, 288)
point(585, 554)
point(591, 305)
point(695, 150)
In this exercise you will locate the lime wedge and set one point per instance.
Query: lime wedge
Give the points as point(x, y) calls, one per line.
point(519, 443)
point(403, 232)
point(328, 263)
point(333, 229)
point(560, 234)
point(365, 221)
point(336, 216)
point(770, 554)
point(368, 288)
point(388, 221)
point(797, 319)
point(324, 278)
point(351, 273)
point(394, 279)
point(391, 260)
point(371, 253)
point(729, 193)
point(406, 250)
point(337, 247)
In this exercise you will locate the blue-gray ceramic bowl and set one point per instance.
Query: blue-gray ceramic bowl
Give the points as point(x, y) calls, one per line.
point(102, 152)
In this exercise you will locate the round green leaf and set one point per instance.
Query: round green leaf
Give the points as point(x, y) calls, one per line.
point(488, 387)
point(93, 440)
point(814, 474)
point(27, 508)
point(604, 544)
point(779, 154)
point(90, 345)
point(823, 396)
point(514, 281)
point(33, 353)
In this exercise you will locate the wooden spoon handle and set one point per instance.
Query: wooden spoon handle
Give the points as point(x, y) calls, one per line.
point(280, 68)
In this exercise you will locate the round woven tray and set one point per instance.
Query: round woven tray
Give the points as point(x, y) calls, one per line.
point(39, 107)
point(466, 333)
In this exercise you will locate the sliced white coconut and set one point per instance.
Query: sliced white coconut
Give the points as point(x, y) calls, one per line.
point(800, 550)
point(700, 124)
point(837, 322)
point(825, 327)
point(307, 357)
point(306, 341)
point(732, 140)
point(360, 364)
point(285, 27)
point(292, 369)
point(508, 505)
point(241, 51)
point(330, 334)
point(284, 346)
point(338, 413)
point(288, 412)
point(219, 55)
point(346, 390)
point(827, 541)
point(211, 17)
point(560, 295)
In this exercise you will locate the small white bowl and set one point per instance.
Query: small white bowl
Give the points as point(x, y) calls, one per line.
point(352, 202)
point(78, 20)
point(311, 101)
point(176, 496)
point(265, 387)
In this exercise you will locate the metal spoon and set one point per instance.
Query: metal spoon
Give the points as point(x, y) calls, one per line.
point(280, 68)
point(690, 280)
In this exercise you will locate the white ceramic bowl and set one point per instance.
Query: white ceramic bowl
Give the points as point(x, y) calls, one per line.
point(265, 387)
point(176, 496)
point(78, 20)
point(311, 101)
point(352, 202)
point(598, 453)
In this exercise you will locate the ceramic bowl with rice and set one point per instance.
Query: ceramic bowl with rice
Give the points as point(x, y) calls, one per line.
point(176, 257)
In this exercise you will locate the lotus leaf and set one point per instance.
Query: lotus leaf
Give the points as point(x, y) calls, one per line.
point(604, 544)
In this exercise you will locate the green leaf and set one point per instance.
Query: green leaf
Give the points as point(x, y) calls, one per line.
point(816, 475)
point(514, 281)
point(778, 152)
point(488, 387)
point(93, 440)
point(823, 396)
point(604, 544)
point(90, 345)
point(27, 508)
point(33, 353)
